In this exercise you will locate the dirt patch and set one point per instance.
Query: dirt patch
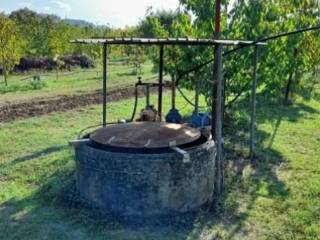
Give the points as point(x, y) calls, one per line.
point(40, 107)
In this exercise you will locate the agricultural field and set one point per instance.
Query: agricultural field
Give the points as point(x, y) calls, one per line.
point(276, 197)
point(22, 87)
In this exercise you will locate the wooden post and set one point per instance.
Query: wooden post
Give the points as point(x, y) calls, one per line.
point(104, 85)
point(216, 107)
point(253, 103)
point(160, 82)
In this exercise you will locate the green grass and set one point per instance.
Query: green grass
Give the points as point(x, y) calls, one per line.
point(78, 81)
point(276, 197)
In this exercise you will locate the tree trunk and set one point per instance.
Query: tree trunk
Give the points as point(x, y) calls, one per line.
point(5, 75)
point(57, 74)
point(290, 80)
point(288, 88)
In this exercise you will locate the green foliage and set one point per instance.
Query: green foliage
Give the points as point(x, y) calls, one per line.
point(136, 57)
point(253, 20)
point(37, 83)
point(168, 24)
point(9, 48)
point(47, 35)
point(35, 37)
point(58, 39)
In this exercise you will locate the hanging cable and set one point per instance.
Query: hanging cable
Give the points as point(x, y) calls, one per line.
point(182, 74)
point(136, 97)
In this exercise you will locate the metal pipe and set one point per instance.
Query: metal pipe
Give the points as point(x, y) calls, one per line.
point(147, 96)
point(216, 107)
point(197, 91)
point(104, 86)
point(78, 142)
point(218, 122)
point(253, 102)
point(160, 82)
point(216, 35)
point(173, 89)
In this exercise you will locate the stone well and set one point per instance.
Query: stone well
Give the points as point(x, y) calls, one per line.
point(146, 169)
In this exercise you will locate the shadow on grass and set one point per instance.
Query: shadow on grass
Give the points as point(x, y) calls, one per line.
point(126, 74)
point(55, 212)
point(245, 182)
point(41, 153)
point(248, 181)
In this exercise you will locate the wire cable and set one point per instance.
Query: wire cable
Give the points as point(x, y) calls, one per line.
point(182, 74)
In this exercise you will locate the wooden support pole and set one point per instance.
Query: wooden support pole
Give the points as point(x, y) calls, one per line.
point(216, 106)
point(104, 85)
point(160, 82)
point(253, 103)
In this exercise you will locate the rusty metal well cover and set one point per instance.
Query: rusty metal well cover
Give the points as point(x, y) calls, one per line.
point(145, 135)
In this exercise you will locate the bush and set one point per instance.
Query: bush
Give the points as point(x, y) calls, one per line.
point(82, 61)
point(37, 83)
point(27, 64)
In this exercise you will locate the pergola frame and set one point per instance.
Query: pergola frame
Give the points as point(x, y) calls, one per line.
point(161, 42)
point(217, 83)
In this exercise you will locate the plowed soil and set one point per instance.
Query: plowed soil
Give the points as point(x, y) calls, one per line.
point(40, 107)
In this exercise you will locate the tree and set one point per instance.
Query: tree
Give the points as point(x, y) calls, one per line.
point(251, 19)
point(58, 43)
point(9, 49)
point(168, 24)
point(34, 38)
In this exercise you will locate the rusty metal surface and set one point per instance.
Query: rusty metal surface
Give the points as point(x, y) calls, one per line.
point(145, 135)
point(163, 41)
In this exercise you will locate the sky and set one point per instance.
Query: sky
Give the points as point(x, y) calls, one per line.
point(116, 13)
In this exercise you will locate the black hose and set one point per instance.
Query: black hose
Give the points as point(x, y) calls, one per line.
point(135, 104)
point(187, 100)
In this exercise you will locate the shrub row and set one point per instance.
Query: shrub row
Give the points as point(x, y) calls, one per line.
point(45, 63)
point(82, 61)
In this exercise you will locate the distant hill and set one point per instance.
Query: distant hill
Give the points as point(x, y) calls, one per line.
point(78, 22)
point(25, 12)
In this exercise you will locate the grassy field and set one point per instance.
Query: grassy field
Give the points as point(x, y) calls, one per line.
point(276, 197)
point(22, 87)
